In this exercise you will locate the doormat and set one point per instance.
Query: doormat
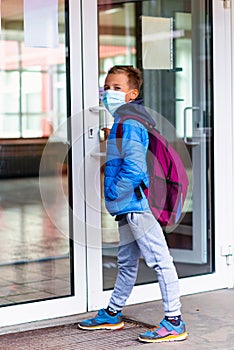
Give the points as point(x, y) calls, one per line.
point(69, 337)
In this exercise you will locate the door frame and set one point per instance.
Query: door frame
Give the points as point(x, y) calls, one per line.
point(87, 250)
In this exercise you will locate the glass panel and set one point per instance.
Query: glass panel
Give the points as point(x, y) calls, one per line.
point(182, 92)
point(36, 258)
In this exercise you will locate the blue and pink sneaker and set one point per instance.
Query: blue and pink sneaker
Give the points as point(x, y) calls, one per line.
point(163, 332)
point(103, 321)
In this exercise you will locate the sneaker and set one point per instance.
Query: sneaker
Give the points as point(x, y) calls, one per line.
point(102, 321)
point(163, 332)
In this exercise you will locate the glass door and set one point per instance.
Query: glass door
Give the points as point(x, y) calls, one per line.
point(178, 101)
point(38, 232)
point(171, 42)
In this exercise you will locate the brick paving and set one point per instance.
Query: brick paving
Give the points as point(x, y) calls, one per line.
point(69, 337)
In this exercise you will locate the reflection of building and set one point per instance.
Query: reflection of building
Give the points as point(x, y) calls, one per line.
point(54, 227)
point(33, 89)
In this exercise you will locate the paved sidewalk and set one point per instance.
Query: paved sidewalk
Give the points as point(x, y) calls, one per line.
point(209, 319)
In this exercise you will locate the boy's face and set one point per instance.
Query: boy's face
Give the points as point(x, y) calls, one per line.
point(119, 82)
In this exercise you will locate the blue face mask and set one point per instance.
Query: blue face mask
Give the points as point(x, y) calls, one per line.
point(113, 99)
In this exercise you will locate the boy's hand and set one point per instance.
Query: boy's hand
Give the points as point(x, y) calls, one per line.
point(106, 133)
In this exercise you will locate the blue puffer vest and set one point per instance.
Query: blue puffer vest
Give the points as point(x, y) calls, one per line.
point(126, 170)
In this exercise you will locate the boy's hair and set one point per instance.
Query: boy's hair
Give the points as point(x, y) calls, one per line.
point(134, 75)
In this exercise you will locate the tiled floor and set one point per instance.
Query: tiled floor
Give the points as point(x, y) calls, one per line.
point(34, 245)
point(34, 281)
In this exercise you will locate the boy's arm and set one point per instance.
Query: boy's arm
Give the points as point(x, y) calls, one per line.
point(133, 169)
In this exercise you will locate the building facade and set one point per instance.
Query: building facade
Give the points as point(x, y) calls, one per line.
point(58, 243)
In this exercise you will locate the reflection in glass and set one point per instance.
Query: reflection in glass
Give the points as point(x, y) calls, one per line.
point(35, 259)
point(168, 92)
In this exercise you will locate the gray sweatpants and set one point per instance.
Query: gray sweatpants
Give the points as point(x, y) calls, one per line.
point(141, 234)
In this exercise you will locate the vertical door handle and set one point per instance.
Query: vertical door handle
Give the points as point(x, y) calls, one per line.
point(192, 108)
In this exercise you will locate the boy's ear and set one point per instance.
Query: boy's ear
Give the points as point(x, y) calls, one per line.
point(134, 94)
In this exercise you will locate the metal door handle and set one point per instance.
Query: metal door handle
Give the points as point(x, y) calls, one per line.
point(96, 109)
point(102, 120)
point(193, 108)
point(98, 154)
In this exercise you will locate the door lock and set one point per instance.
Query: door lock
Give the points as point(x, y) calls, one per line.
point(90, 133)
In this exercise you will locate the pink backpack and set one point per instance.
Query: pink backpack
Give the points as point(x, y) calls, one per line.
point(168, 178)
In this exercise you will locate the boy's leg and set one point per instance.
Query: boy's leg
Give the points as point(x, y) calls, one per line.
point(151, 241)
point(153, 246)
point(128, 261)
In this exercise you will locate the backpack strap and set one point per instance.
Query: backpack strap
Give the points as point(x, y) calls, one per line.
point(119, 132)
point(119, 135)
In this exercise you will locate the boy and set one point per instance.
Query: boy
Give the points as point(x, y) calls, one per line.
point(139, 231)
